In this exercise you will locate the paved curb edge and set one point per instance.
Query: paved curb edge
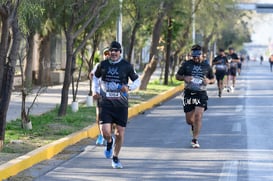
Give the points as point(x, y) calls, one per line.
point(26, 161)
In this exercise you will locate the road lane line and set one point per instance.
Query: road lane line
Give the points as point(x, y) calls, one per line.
point(229, 171)
point(239, 108)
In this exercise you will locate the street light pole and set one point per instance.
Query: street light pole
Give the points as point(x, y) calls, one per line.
point(119, 24)
point(193, 22)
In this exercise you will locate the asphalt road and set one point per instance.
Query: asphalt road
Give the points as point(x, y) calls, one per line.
point(236, 141)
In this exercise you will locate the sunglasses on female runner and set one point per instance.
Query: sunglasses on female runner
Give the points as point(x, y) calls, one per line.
point(106, 53)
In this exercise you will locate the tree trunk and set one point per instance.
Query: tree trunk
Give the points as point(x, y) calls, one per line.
point(29, 61)
point(3, 54)
point(9, 69)
point(207, 40)
point(133, 38)
point(96, 39)
point(168, 51)
point(4, 43)
point(6, 93)
point(68, 75)
point(174, 64)
point(24, 118)
point(150, 67)
point(148, 72)
point(44, 78)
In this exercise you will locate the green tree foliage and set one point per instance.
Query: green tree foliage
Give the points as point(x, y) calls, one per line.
point(31, 15)
point(137, 13)
point(219, 21)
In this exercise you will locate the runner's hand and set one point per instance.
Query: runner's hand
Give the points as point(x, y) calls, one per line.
point(90, 76)
point(96, 95)
point(124, 88)
point(206, 81)
point(187, 79)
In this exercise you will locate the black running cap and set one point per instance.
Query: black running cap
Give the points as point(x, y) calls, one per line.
point(115, 45)
point(196, 47)
point(196, 53)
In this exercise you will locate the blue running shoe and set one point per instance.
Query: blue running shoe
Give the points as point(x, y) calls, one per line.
point(116, 164)
point(108, 152)
point(100, 140)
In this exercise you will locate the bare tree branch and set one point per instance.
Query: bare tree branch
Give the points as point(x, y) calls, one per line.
point(97, 24)
point(95, 13)
point(39, 92)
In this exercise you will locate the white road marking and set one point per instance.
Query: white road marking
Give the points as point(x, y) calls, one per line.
point(239, 108)
point(229, 171)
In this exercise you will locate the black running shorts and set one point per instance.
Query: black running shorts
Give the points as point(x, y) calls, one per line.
point(118, 115)
point(192, 99)
point(220, 74)
point(239, 65)
point(232, 71)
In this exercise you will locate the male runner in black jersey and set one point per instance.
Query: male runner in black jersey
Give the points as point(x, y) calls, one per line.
point(233, 60)
point(196, 74)
point(221, 66)
point(114, 75)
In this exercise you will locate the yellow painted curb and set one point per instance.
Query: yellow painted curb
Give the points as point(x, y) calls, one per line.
point(21, 163)
point(135, 110)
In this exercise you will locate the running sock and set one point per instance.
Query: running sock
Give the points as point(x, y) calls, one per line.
point(194, 140)
point(109, 145)
point(115, 159)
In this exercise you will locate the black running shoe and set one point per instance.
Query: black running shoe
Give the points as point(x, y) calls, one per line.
point(195, 144)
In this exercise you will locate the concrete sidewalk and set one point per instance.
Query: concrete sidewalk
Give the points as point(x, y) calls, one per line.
point(45, 102)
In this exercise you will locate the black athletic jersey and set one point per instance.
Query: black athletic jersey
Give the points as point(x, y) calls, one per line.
point(221, 63)
point(112, 76)
point(198, 71)
point(233, 56)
